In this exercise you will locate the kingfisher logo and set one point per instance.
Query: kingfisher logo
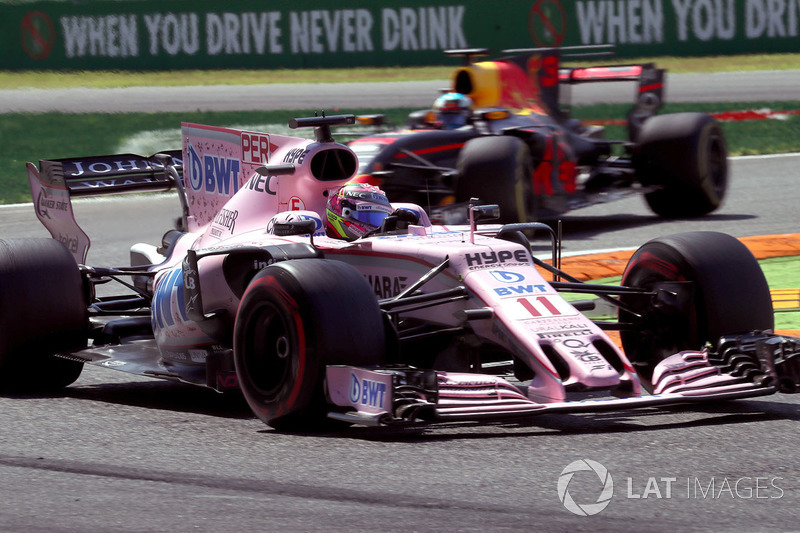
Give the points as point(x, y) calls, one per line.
point(505, 276)
point(213, 174)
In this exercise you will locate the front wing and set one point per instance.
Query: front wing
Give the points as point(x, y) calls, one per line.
point(743, 367)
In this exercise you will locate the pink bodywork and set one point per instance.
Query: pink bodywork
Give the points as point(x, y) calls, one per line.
point(230, 204)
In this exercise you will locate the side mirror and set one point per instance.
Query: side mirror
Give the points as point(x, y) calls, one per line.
point(294, 227)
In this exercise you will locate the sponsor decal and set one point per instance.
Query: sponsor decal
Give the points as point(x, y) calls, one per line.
point(521, 289)
point(387, 286)
point(71, 242)
point(213, 174)
point(296, 156)
point(367, 392)
point(225, 219)
point(507, 276)
point(261, 183)
point(565, 333)
point(100, 168)
point(197, 356)
point(546, 325)
point(480, 260)
point(164, 311)
point(44, 203)
point(586, 353)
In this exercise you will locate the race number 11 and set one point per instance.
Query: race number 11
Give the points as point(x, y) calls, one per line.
point(539, 306)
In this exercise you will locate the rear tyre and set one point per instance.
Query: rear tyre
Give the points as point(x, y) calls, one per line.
point(42, 311)
point(295, 318)
point(686, 156)
point(497, 170)
point(728, 295)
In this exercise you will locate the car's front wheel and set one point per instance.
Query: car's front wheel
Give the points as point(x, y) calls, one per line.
point(295, 318)
point(711, 286)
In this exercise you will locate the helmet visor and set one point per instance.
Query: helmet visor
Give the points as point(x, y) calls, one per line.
point(370, 218)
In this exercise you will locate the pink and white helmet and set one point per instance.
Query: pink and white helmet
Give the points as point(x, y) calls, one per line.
point(356, 210)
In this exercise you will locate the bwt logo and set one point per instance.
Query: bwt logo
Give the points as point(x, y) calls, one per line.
point(366, 392)
point(504, 276)
point(213, 174)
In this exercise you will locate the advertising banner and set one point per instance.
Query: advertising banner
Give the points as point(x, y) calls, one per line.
point(180, 34)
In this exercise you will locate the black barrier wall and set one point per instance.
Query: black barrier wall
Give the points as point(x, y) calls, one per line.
point(177, 34)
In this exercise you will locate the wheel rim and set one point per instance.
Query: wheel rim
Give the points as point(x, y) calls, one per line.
point(718, 165)
point(267, 350)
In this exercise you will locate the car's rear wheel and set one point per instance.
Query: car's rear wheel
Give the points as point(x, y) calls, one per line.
point(497, 170)
point(43, 312)
point(716, 288)
point(685, 156)
point(295, 318)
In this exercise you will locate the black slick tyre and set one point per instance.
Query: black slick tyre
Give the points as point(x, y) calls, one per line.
point(723, 289)
point(497, 170)
point(43, 312)
point(685, 156)
point(295, 318)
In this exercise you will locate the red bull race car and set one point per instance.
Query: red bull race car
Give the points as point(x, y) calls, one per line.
point(517, 146)
point(263, 288)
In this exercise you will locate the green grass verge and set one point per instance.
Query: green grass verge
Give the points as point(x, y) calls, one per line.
point(31, 137)
point(781, 273)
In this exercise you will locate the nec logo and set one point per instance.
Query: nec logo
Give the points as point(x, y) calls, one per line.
point(504, 276)
point(213, 174)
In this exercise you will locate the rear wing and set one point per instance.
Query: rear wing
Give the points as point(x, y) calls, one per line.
point(56, 181)
point(649, 92)
point(533, 79)
point(111, 174)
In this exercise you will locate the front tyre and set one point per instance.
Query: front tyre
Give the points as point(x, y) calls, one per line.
point(295, 318)
point(43, 311)
point(685, 155)
point(724, 291)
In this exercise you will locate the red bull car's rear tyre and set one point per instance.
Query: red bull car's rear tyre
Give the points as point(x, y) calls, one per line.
point(722, 285)
point(685, 155)
point(295, 318)
point(42, 312)
point(497, 170)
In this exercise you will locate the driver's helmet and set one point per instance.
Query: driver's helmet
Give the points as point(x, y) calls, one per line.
point(356, 210)
point(453, 110)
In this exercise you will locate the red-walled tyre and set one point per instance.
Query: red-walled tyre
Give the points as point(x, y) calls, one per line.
point(43, 312)
point(724, 291)
point(295, 318)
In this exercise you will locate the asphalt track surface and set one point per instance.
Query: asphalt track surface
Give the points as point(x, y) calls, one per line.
point(116, 452)
point(713, 87)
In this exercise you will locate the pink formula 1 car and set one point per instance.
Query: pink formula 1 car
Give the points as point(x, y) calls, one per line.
point(412, 323)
